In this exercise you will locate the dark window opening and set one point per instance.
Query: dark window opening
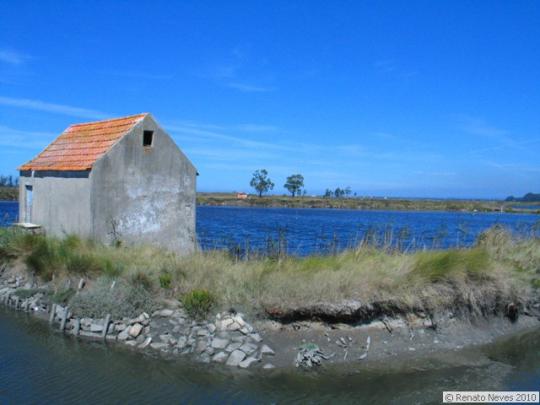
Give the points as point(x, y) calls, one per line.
point(148, 137)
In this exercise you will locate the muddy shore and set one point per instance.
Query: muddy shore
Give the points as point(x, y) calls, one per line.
point(230, 340)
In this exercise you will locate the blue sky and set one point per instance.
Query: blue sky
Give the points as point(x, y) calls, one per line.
point(416, 98)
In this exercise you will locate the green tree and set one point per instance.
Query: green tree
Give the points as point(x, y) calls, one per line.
point(294, 183)
point(261, 182)
point(328, 193)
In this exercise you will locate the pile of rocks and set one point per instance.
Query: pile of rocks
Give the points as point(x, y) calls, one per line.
point(226, 339)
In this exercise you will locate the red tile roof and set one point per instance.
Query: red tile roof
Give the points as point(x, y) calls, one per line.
point(80, 145)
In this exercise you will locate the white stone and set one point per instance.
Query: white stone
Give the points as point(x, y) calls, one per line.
point(165, 338)
point(247, 362)
point(248, 348)
point(164, 312)
point(201, 346)
point(219, 343)
point(135, 330)
point(159, 346)
point(238, 319)
point(233, 326)
point(202, 332)
point(267, 350)
point(235, 358)
point(233, 346)
point(124, 335)
point(144, 344)
point(139, 319)
point(256, 337)
point(96, 327)
point(225, 323)
point(268, 366)
point(119, 327)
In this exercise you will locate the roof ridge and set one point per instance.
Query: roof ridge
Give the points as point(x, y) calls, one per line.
point(108, 120)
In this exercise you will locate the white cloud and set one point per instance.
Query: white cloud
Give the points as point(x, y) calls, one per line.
point(256, 128)
point(204, 131)
point(478, 126)
point(249, 88)
point(11, 57)
point(131, 74)
point(20, 139)
point(39, 105)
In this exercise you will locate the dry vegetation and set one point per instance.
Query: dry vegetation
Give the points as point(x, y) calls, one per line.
point(482, 279)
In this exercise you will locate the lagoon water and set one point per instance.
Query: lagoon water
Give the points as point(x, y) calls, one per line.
point(309, 231)
point(38, 365)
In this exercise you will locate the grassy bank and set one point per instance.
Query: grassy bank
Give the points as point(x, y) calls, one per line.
point(229, 199)
point(497, 271)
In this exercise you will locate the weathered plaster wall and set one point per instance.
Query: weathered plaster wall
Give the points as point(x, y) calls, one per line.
point(146, 194)
point(60, 203)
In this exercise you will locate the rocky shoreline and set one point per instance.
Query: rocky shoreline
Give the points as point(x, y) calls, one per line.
point(227, 339)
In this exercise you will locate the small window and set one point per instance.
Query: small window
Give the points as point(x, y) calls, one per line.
point(148, 137)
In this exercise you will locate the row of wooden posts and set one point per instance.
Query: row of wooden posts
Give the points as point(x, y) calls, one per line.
point(18, 305)
point(77, 328)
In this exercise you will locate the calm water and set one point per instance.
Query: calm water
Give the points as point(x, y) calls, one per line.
point(305, 231)
point(41, 366)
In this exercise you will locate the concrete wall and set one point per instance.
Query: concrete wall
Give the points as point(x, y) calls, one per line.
point(60, 203)
point(145, 194)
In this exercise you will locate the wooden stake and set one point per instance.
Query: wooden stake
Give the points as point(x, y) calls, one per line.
point(106, 326)
point(53, 312)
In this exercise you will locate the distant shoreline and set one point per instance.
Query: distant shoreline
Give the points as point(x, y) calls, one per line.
point(362, 203)
point(356, 203)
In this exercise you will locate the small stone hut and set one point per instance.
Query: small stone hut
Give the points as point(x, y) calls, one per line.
point(119, 180)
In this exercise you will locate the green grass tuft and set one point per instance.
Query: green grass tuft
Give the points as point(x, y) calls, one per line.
point(198, 303)
point(439, 265)
point(165, 280)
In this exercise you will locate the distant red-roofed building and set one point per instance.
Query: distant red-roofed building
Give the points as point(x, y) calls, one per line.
point(121, 179)
point(241, 196)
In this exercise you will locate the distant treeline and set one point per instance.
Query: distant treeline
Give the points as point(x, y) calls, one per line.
point(9, 190)
point(9, 181)
point(529, 197)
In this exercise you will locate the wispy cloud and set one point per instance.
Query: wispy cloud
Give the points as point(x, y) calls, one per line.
point(209, 132)
point(385, 65)
point(236, 72)
point(244, 127)
point(478, 126)
point(138, 75)
point(499, 138)
point(513, 167)
point(248, 88)
point(256, 128)
point(233, 154)
point(20, 139)
point(12, 57)
point(63, 109)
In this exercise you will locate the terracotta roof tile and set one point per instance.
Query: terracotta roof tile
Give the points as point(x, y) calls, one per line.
point(80, 145)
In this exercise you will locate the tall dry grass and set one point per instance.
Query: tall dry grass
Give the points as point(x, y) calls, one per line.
point(498, 270)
